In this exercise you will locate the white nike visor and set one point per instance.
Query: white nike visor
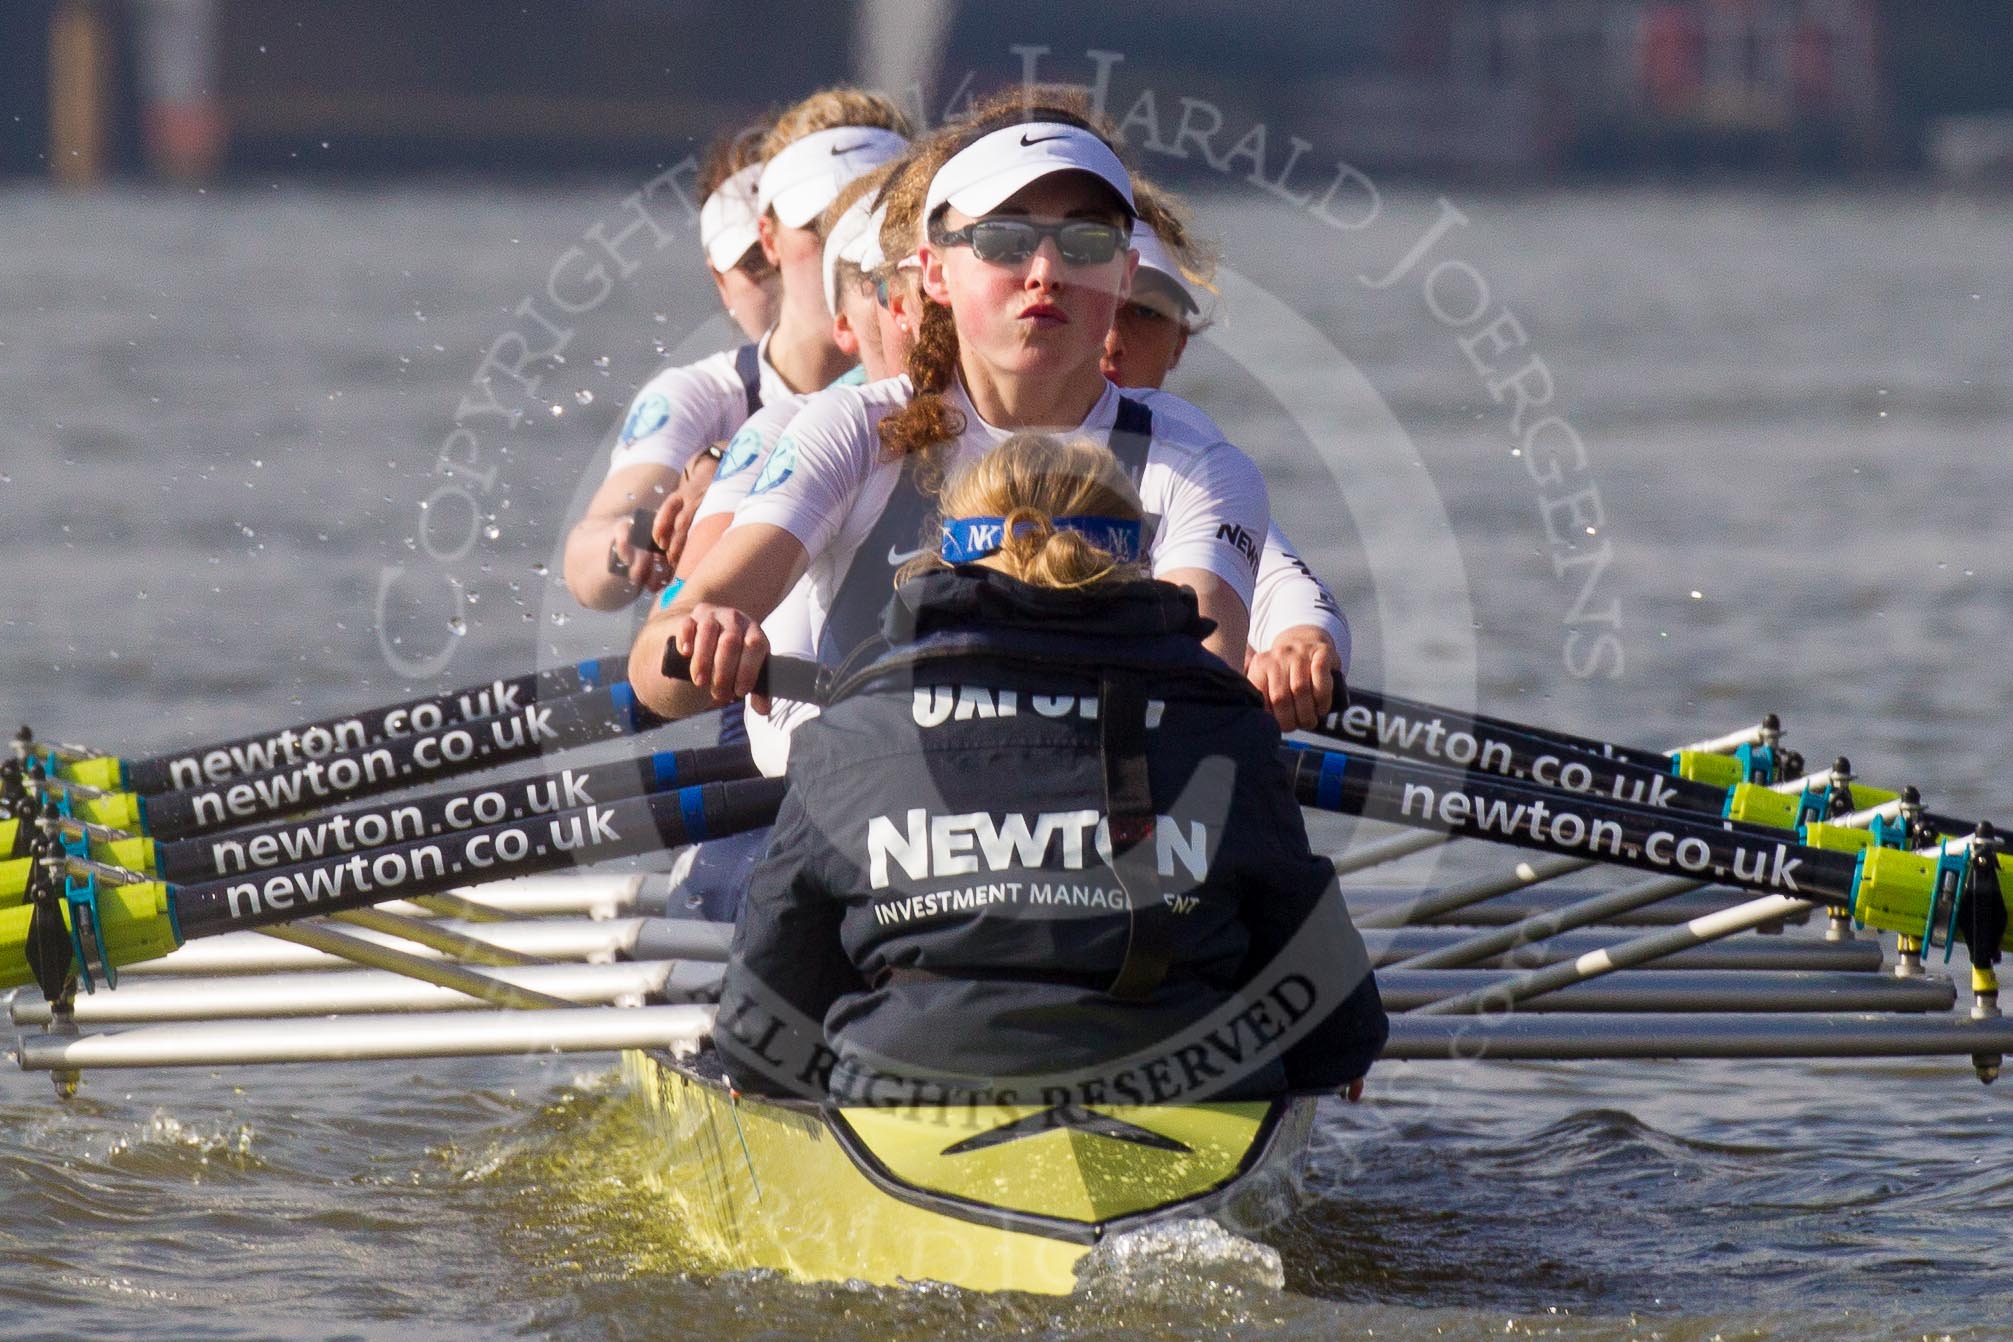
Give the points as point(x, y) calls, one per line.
point(727, 219)
point(985, 173)
point(804, 177)
point(843, 243)
point(1154, 256)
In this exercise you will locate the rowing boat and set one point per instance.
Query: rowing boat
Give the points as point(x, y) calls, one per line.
point(191, 879)
point(987, 1197)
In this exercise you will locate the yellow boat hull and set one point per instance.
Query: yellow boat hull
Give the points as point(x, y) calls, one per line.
point(992, 1198)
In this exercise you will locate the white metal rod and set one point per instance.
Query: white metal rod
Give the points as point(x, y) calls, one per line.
point(369, 1038)
point(1525, 1036)
point(568, 895)
point(252, 953)
point(1698, 991)
point(272, 996)
point(1661, 947)
point(1541, 900)
point(1389, 948)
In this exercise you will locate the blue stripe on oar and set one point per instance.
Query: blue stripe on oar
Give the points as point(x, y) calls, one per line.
point(664, 768)
point(693, 807)
point(1328, 787)
point(590, 673)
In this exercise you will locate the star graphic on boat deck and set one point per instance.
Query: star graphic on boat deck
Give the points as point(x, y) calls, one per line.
point(1068, 1116)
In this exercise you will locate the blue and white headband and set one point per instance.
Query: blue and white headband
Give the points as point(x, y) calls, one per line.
point(969, 539)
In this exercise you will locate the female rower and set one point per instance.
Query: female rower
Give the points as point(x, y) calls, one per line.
point(1027, 214)
point(847, 229)
point(815, 148)
point(1299, 641)
point(1045, 852)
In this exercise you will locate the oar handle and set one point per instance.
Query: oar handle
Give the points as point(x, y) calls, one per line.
point(642, 536)
point(784, 677)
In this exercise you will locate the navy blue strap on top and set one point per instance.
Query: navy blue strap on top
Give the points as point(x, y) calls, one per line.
point(1132, 436)
point(748, 366)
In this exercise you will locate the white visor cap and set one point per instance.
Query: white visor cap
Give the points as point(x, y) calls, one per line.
point(981, 176)
point(802, 179)
point(843, 243)
point(1154, 256)
point(870, 257)
point(727, 219)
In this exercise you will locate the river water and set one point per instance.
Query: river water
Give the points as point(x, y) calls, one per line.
point(224, 411)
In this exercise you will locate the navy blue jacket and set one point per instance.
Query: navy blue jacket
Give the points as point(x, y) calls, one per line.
point(940, 915)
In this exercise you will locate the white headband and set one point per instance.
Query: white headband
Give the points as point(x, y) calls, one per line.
point(804, 176)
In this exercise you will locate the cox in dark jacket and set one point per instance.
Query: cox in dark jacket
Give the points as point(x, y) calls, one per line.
point(1044, 853)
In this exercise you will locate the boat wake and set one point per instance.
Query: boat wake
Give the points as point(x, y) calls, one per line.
point(1195, 1255)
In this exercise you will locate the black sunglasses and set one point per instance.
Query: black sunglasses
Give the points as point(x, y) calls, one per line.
point(1008, 242)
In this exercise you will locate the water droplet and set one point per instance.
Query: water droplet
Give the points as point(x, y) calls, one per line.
point(601, 362)
point(558, 410)
point(249, 533)
point(561, 618)
point(1697, 595)
point(540, 570)
point(492, 531)
point(141, 594)
point(458, 625)
point(583, 397)
point(258, 463)
point(659, 318)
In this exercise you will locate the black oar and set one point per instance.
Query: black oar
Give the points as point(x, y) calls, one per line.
point(1931, 898)
point(324, 738)
point(1412, 730)
point(116, 925)
point(367, 825)
point(389, 766)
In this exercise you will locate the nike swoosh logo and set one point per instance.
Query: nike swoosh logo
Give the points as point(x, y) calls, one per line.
point(897, 558)
point(839, 149)
point(1043, 140)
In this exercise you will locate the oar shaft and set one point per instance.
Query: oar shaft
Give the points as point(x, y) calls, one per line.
point(1413, 730)
point(390, 766)
point(356, 828)
point(1477, 806)
point(263, 752)
point(576, 837)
